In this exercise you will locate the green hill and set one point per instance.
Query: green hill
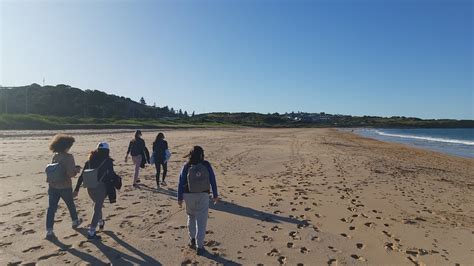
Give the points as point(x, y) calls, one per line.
point(65, 107)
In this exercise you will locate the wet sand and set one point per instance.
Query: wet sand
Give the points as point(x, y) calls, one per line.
point(294, 196)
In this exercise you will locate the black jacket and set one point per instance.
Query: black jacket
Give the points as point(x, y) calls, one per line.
point(159, 149)
point(111, 180)
point(138, 147)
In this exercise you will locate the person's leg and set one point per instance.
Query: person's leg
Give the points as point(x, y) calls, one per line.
point(158, 169)
point(98, 196)
point(137, 160)
point(66, 195)
point(190, 202)
point(165, 170)
point(202, 212)
point(53, 196)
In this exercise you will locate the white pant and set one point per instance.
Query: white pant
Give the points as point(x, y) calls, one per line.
point(197, 209)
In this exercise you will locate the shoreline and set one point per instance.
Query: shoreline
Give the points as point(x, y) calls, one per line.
point(418, 142)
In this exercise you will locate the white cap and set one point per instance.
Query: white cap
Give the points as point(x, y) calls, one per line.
point(103, 145)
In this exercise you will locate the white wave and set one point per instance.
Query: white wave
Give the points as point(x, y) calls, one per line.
point(455, 141)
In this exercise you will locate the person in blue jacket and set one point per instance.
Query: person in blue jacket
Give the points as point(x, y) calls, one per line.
point(196, 195)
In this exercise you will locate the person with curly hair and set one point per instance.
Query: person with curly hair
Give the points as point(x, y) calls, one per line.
point(62, 189)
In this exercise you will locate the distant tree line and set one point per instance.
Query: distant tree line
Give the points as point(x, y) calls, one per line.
point(64, 100)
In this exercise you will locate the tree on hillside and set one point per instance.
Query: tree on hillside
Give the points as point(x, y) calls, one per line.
point(186, 113)
point(180, 112)
point(142, 101)
point(192, 114)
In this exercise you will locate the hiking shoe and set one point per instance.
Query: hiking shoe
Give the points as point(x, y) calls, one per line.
point(192, 244)
point(101, 224)
point(163, 183)
point(93, 237)
point(200, 251)
point(76, 223)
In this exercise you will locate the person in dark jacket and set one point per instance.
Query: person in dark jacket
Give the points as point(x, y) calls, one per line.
point(197, 202)
point(140, 155)
point(108, 182)
point(160, 146)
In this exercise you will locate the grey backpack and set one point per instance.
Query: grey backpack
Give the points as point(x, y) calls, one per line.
point(90, 177)
point(198, 178)
point(54, 172)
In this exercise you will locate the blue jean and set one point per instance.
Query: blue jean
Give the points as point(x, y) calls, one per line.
point(54, 195)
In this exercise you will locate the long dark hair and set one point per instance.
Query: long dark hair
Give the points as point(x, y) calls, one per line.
point(159, 137)
point(137, 135)
point(196, 155)
point(97, 156)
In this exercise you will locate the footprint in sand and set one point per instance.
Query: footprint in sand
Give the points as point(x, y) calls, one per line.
point(70, 236)
point(5, 244)
point(32, 249)
point(369, 224)
point(290, 245)
point(357, 257)
point(22, 214)
point(352, 228)
point(275, 228)
point(273, 252)
point(45, 257)
point(332, 262)
point(282, 260)
point(360, 245)
point(346, 235)
point(304, 250)
point(27, 232)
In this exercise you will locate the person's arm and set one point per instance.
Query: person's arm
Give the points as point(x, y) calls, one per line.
point(71, 170)
point(128, 151)
point(212, 180)
point(79, 181)
point(182, 184)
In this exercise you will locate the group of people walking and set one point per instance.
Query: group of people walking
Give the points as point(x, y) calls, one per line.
point(98, 176)
point(141, 156)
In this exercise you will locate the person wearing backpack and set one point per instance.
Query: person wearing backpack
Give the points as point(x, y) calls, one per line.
point(140, 155)
point(160, 158)
point(195, 180)
point(59, 174)
point(101, 181)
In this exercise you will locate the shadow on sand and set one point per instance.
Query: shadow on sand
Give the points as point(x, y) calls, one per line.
point(169, 192)
point(232, 208)
point(114, 256)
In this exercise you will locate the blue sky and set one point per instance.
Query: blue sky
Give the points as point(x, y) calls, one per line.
point(393, 57)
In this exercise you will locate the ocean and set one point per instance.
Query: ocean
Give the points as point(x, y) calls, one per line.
point(454, 141)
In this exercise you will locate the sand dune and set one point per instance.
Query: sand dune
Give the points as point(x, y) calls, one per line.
point(294, 196)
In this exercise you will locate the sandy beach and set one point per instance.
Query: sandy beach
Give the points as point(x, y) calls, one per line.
point(288, 196)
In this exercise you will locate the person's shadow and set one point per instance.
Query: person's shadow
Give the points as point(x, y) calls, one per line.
point(115, 256)
point(232, 208)
point(169, 192)
point(81, 255)
point(218, 259)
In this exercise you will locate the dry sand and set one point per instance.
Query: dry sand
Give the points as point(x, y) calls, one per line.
point(295, 196)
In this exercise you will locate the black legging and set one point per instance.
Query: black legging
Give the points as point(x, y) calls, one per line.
point(158, 170)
